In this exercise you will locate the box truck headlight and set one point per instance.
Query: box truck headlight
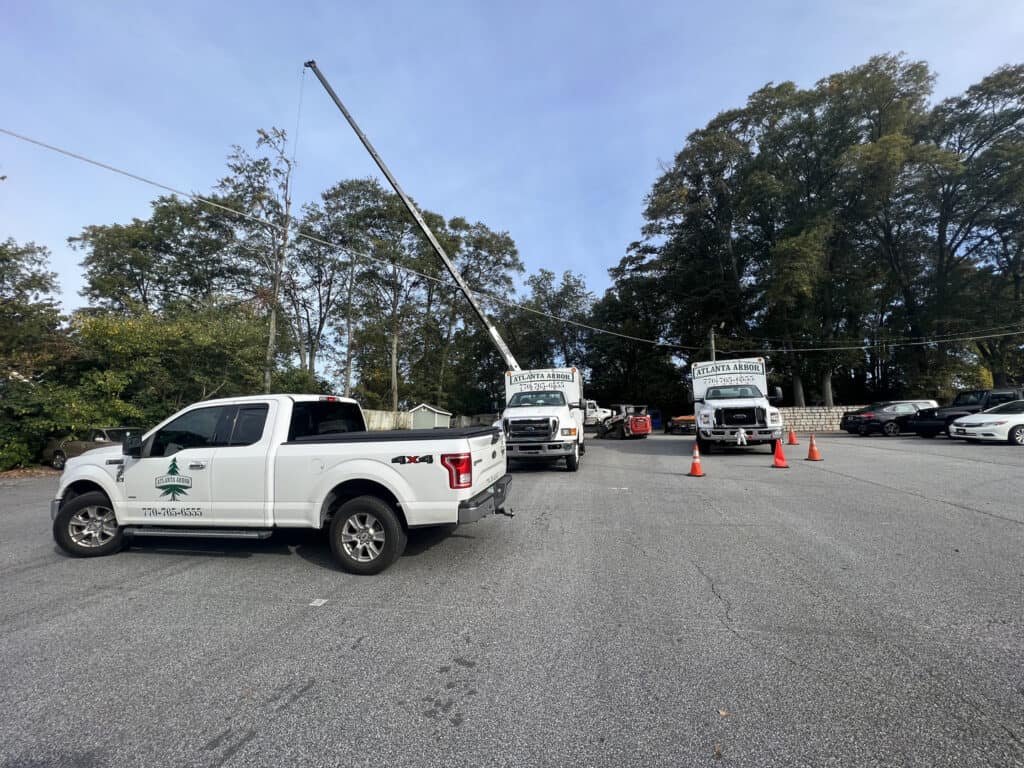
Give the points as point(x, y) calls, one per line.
point(774, 418)
point(570, 432)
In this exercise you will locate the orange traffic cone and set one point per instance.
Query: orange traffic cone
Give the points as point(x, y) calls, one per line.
point(792, 438)
point(695, 468)
point(812, 452)
point(780, 458)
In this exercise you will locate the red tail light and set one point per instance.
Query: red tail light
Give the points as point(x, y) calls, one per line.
point(460, 469)
point(868, 415)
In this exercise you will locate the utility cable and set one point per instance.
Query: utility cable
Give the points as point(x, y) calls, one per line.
point(499, 299)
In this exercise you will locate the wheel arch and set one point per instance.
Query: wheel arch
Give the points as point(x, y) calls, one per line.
point(351, 489)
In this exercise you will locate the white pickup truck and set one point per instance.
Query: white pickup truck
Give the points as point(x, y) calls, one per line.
point(241, 467)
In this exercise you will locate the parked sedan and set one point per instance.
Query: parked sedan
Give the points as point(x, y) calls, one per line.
point(1004, 423)
point(59, 450)
point(887, 417)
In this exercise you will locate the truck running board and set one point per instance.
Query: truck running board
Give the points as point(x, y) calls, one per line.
point(198, 533)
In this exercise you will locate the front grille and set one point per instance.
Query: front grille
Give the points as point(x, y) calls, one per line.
point(738, 417)
point(540, 429)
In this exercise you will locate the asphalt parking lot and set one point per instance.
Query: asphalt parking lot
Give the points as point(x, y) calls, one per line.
point(867, 610)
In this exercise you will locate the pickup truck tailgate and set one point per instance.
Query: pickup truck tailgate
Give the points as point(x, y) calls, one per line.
point(488, 455)
point(490, 483)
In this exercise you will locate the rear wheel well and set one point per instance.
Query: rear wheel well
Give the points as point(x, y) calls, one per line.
point(354, 488)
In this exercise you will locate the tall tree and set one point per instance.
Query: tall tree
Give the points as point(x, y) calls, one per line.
point(259, 183)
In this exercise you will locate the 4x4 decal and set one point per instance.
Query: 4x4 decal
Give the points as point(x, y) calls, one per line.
point(413, 460)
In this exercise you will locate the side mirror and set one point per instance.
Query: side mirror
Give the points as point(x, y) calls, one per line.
point(776, 395)
point(132, 446)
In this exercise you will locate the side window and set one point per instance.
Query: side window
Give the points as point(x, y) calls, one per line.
point(905, 408)
point(195, 429)
point(249, 424)
point(1000, 398)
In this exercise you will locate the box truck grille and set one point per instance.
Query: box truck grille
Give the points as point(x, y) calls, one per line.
point(540, 430)
point(738, 417)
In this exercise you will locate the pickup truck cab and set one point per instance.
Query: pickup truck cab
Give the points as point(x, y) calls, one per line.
point(242, 467)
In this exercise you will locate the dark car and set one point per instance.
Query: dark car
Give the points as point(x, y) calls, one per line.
point(929, 422)
point(59, 450)
point(883, 417)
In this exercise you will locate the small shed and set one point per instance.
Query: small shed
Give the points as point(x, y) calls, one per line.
point(428, 417)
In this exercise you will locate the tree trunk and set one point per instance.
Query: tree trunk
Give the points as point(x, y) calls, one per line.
point(798, 391)
point(268, 362)
point(826, 389)
point(394, 371)
point(348, 330)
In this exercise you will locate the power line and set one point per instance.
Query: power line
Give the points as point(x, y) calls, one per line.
point(321, 241)
point(498, 299)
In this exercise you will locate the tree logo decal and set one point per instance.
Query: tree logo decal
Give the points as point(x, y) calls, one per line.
point(173, 484)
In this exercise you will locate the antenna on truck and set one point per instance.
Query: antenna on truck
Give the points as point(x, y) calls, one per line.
point(499, 342)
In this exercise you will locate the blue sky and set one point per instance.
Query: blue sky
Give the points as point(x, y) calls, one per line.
point(548, 120)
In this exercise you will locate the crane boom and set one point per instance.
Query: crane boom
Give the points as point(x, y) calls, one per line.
point(499, 342)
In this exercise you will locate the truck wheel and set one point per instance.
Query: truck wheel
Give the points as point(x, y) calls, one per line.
point(572, 461)
point(86, 526)
point(58, 460)
point(366, 535)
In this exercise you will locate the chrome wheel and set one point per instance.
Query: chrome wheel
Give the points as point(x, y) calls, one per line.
point(362, 537)
point(92, 526)
point(1017, 435)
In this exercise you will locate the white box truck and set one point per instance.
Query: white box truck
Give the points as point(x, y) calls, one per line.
point(732, 404)
point(543, 415)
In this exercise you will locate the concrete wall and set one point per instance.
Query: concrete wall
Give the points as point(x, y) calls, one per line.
point(381, 420)
point(815, 419)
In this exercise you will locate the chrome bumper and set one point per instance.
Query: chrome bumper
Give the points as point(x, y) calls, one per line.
point(485, 503)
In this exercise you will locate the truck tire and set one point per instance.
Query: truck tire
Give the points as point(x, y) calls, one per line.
point(366, 535)
point(59, 460)
point(86, 526)
point(572, 461)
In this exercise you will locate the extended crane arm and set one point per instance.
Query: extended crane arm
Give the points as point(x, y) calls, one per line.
point(499, 342)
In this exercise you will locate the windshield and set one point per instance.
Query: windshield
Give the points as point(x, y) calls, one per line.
point(1016, 406)
point(968, 398)
point(732, 393)
point(528, 399)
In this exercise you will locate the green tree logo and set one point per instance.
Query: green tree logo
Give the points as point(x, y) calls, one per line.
point(174, 484)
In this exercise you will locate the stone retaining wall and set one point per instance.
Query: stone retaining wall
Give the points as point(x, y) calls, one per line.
point(815, 419)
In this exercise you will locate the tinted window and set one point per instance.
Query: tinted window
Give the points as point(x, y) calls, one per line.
point(249, 423)
point(1003, 397)
point(323, 417)
point(195, 429)
point(1016, 406)
point(967, 398)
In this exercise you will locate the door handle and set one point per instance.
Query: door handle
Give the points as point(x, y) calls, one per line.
point(197, 465)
